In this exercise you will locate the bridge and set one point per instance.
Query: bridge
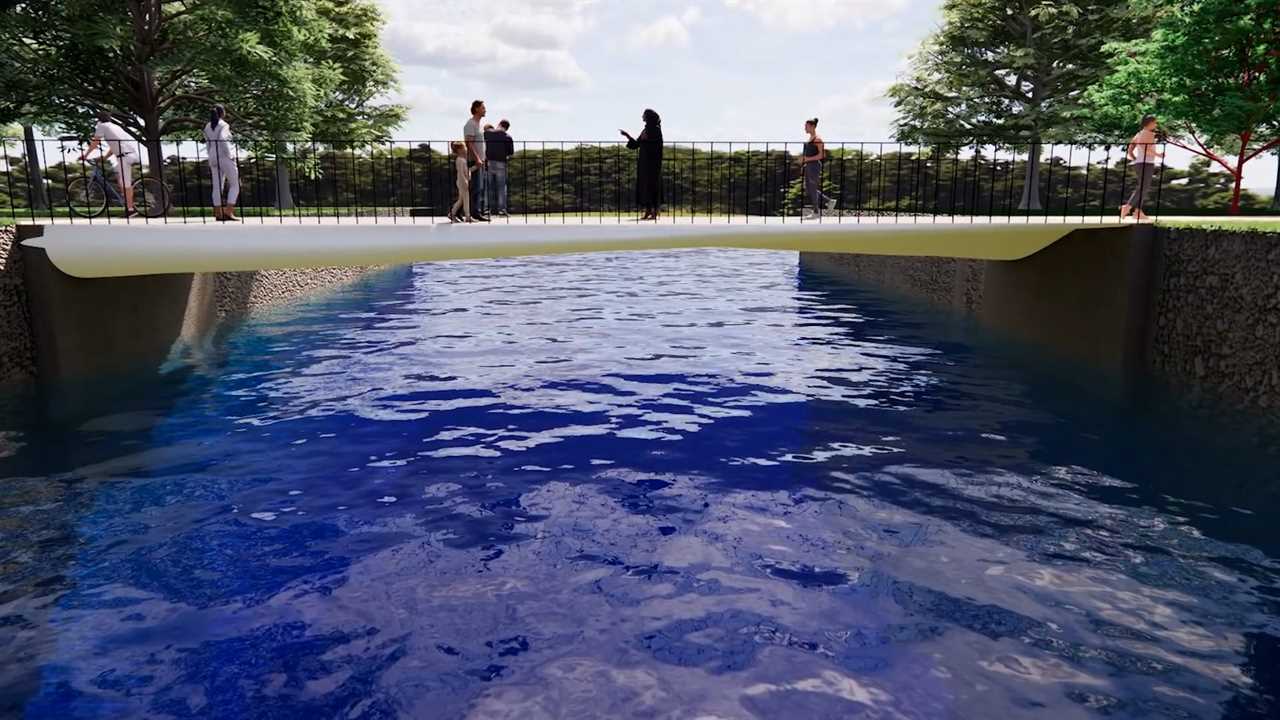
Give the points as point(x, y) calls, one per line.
point(318, 203)
point(108, 293)
point(117, 250)
point(105, 300)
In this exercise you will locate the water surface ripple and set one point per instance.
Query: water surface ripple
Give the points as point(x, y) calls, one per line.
point(697, 484)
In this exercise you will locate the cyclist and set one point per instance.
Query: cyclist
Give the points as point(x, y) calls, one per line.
point(122, 146)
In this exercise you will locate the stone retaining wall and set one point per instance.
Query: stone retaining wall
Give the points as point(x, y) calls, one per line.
point(214, 299)
point(17, 354)
point(1214, 332)
point(945, 282)
point(239, 294)
point(1217, 327)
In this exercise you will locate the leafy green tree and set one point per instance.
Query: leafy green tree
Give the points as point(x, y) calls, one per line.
point(1203, 185)
point(22, 92)
point(1009, 72)
point(158, 65)
point(1211, 72)
point(359, 74)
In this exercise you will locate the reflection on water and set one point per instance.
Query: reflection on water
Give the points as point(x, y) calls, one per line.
point(690, 484)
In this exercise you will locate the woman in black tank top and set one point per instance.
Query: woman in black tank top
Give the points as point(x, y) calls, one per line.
point(815, 151)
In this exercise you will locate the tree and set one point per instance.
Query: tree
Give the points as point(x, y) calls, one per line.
point(1203, 185)
point(360, 74)
point(21, 91)
point(158, 65)
point(1211, 72)
point(1008, 72)
point(1275, 198)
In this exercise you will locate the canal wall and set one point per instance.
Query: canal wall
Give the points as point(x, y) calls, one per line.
point(56, 326)
point(1196, 309)
point(17, 353)
point(1217, 326)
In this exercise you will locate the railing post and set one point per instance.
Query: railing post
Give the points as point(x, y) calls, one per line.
point(44, 192)
point(940, 153)
point(1164, 150)
point(1106, 176)
point(991, 192)
point(1048, 193)
point(182, 182)
point(1088, 165)
point(8, 179)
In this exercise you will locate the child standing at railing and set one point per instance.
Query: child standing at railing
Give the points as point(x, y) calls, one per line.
point(464, 183)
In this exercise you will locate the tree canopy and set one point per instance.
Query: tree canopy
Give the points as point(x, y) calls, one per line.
point(1210, 71)
point(280, 66)
point(1010, 72)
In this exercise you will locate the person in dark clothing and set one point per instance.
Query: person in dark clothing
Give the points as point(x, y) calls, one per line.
point(498, 149)
point(648, 164)
point(815, 153)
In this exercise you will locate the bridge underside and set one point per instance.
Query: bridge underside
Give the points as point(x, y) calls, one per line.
point(104, 251)
point(105, 301)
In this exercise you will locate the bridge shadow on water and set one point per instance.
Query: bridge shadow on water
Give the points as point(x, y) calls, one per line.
point(697, 482)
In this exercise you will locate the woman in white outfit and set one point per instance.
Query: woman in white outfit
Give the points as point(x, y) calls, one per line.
point(222, 163)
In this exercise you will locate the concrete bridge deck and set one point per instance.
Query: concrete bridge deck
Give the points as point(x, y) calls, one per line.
point(103, 250)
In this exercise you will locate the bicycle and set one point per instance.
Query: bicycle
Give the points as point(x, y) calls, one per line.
point(89, 196)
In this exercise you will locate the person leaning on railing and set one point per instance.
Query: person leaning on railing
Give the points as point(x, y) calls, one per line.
point(222, 164)
point(1143, 154)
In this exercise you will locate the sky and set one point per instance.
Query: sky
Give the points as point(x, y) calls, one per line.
point(714, 69)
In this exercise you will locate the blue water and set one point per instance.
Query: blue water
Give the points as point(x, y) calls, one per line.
point(698, 484)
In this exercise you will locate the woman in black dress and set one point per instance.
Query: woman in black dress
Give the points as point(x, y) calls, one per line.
point(648, 164)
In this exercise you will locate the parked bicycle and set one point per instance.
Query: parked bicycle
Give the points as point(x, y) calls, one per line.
point(89, 195)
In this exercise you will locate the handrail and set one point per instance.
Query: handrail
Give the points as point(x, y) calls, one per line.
point(747, 181)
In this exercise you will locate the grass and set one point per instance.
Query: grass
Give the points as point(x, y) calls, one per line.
point(1243, 225)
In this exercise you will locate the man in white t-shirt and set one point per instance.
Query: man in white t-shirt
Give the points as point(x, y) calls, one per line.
point(473, 134)
point(123, 146)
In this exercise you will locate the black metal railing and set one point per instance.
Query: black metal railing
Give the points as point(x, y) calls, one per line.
point(580, 181)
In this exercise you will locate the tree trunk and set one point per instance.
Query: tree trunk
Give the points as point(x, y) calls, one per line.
point(35, 178)
point(155, 159)
point(1031, 181)
point(155, 155)
point(1235, 194)
point(284, 195)
point(149, 111)
point(1275, 199)
point(1245, 137)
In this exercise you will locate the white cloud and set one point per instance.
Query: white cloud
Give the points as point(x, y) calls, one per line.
point(538, 31)
point(818, 15)
point(531, 106)
point(666, 31)
point(446, 112)
point(864, 114)
point(525, 41)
